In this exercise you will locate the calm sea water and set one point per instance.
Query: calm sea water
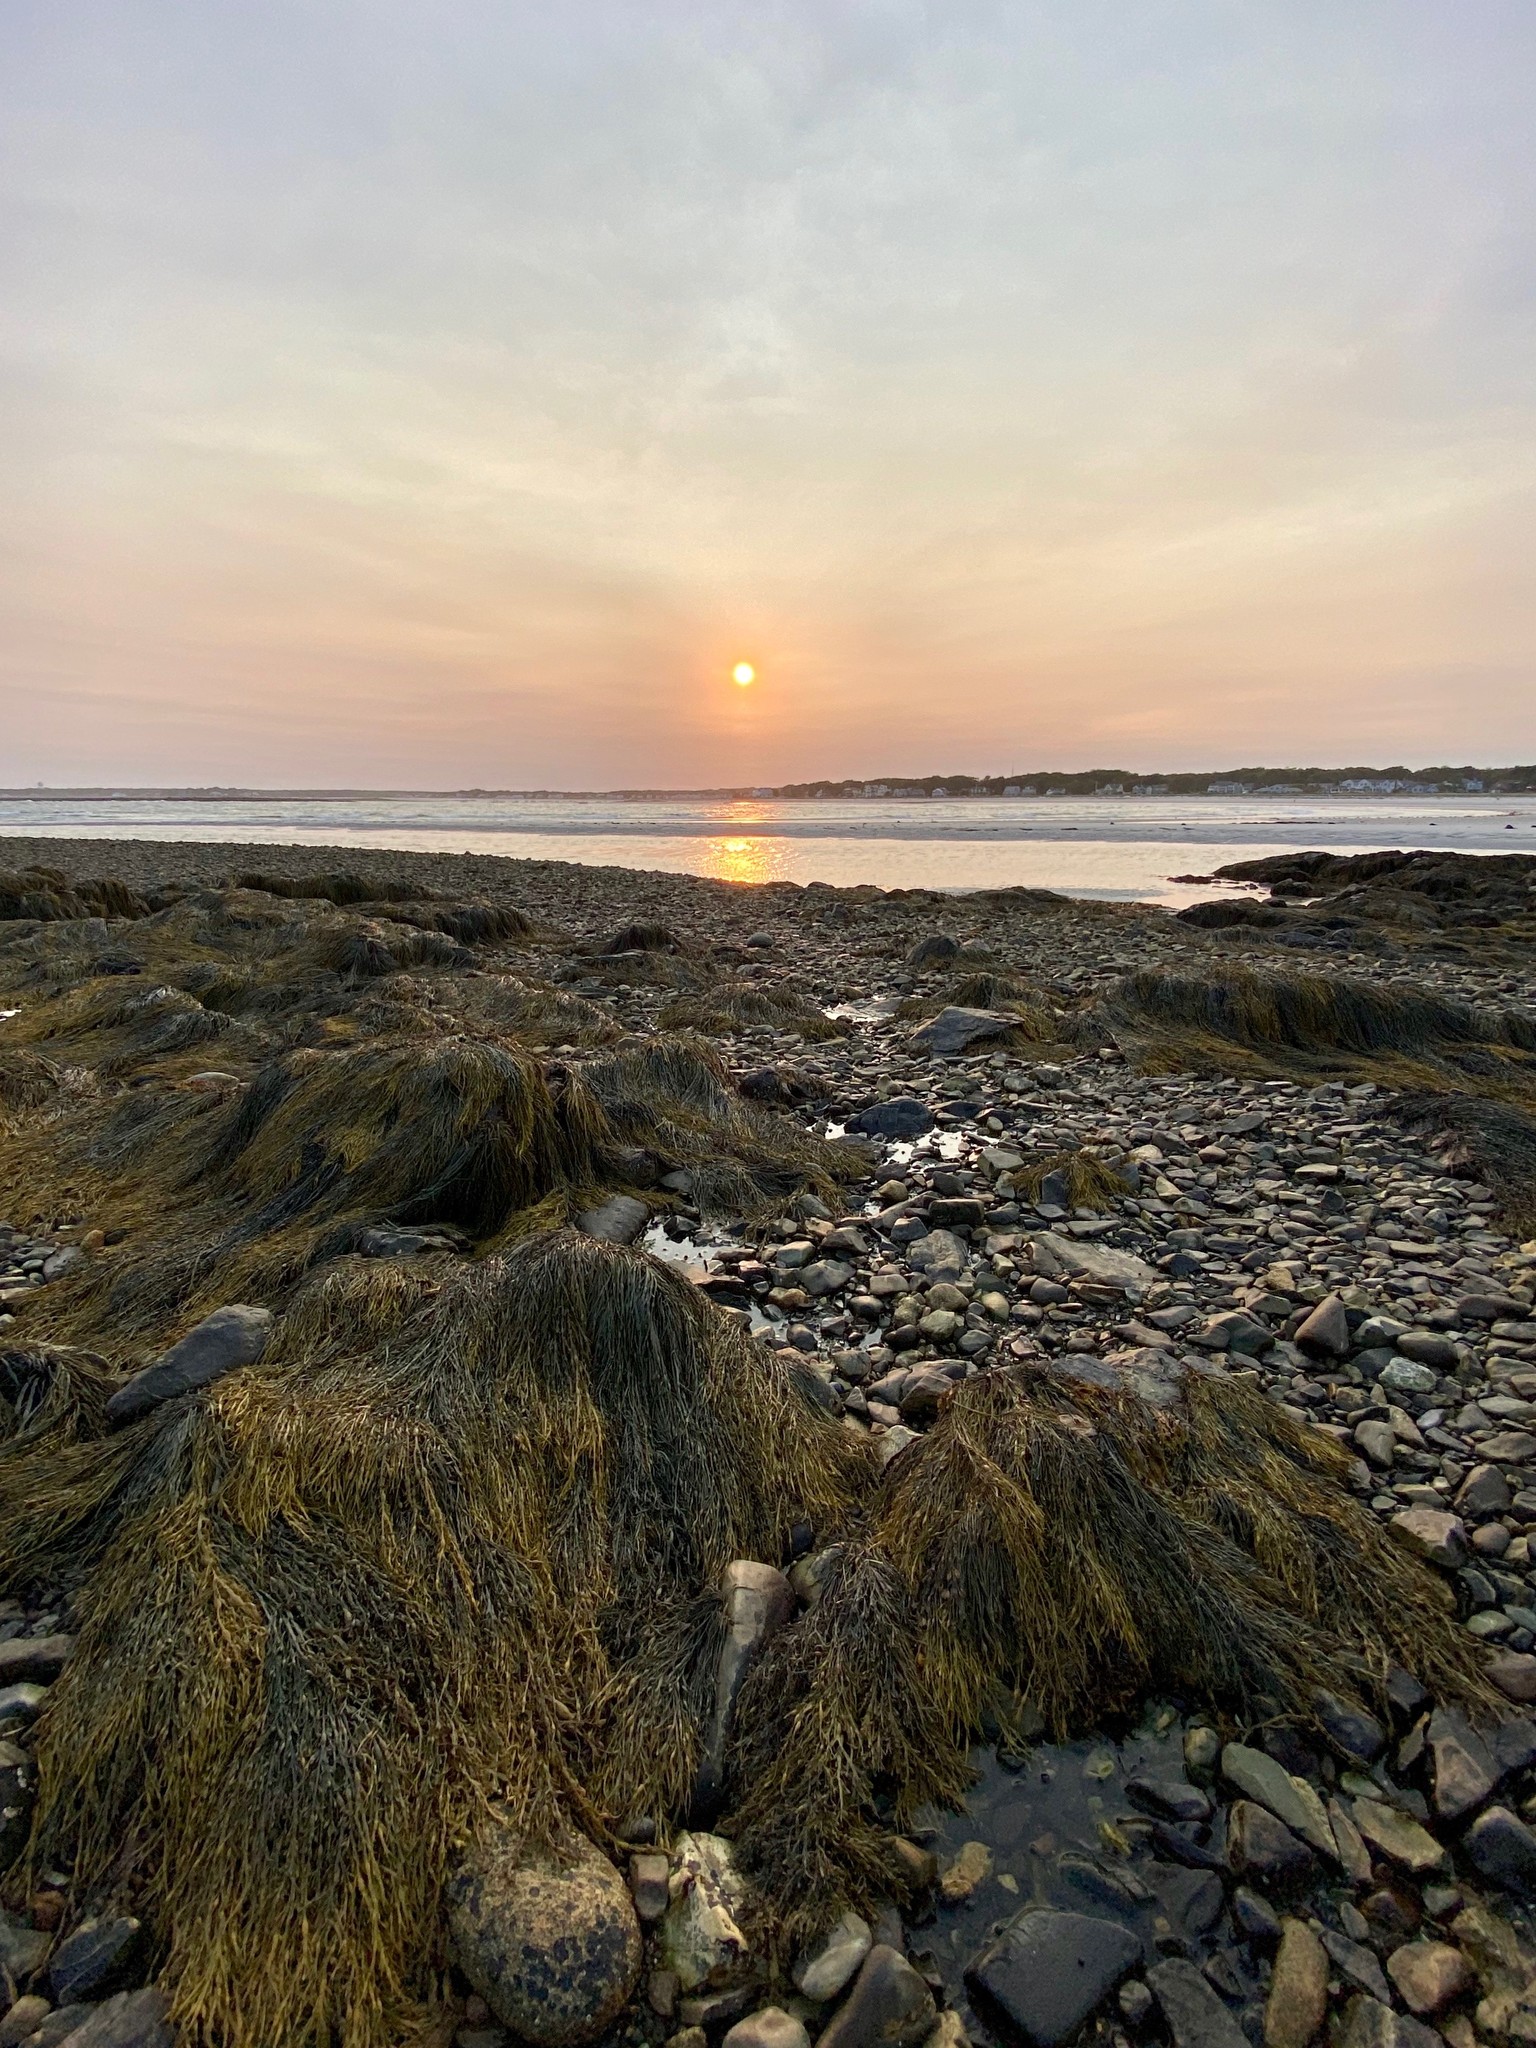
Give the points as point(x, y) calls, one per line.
point(1124, 848)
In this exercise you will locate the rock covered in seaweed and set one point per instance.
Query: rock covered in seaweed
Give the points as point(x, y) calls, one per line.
point(547, 1936)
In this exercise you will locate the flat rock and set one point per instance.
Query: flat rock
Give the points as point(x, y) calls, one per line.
point(1196, 2017)
point(1463, 1771)
point(39, 1658)
point(1289, 1799)
point(548, 1937)
point(221, 1343)
point(133, 2019)
point(757, 1600)
point(889, 2006)
point(1048, 1971)
point(1056, 1255)
point(1298, 1990)
point(98, 1957)
point(902, 1117)
point(955, 1028)
point(1398, 1837)
point(1262, 1850)
point(619, 1220)
point(1366, 2023)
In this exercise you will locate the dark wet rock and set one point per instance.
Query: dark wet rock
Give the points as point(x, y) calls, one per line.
point(757, 1599)
point(18, 1790)
point(1169, 1799)
point(1194, 1900)
point(548, 1938)
point(1256, 1917)
point(902, 1117)
point(649, 1871)
point(23, 1949)
point(1356, 1964)
point(39, 1658)
point(221, 1343)
point(1513, 1744)
point(619, 1220)
point(1430, 1348)
point(1196, 2017)
point(98, 1957)
point(1289, 1798)
point(933, 950)
point(1500, 1847)
point(889, 2006)
point(1048, 1971)
point(133, 2019)
point(1463, 1772)
point(1352, 1731)
point(1263, 1850)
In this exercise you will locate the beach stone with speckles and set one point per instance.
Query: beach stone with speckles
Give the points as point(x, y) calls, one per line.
point(549, 1939)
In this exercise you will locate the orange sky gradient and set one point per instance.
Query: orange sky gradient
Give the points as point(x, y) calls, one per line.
point(425, 397)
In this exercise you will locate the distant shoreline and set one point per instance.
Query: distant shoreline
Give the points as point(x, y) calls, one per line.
point(1280, 784)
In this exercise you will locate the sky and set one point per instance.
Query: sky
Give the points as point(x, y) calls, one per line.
point(446, 393)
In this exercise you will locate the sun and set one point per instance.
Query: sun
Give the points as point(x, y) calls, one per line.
point(743, 674)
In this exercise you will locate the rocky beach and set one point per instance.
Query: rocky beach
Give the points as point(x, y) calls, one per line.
point(599, 1456)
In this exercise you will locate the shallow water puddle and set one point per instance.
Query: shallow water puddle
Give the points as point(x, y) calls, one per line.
point(694, 1257)
point(872, 1010)
point(1061, 1831)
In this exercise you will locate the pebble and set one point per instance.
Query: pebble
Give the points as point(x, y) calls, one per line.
point(1428, 1975)
point(823, 1971)
point(771, 2027)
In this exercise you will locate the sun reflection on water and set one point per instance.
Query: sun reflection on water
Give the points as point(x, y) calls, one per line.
point(743, 860)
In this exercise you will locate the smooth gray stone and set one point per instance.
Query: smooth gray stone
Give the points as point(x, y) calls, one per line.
point(757, 1601)
point(1196, 2016)
point(1048, 1971)
point(223, 1342)
point(133, 2019)
point(619, 1220)
point(889, 2006)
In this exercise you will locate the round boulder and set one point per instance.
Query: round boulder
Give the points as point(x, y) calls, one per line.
point(548, 1937)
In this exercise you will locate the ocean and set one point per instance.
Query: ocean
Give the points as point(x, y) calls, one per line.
point(1120, 848)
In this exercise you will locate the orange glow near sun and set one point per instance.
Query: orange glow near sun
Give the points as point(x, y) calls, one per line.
point(743, 674)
